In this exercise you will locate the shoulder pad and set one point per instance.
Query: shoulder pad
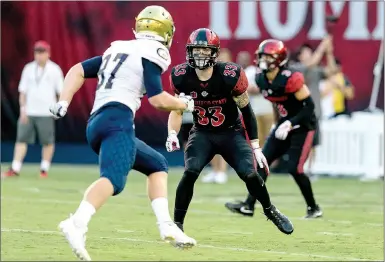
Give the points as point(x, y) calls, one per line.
point(234, 77)
point(294, 82)
point(156, 53)
point(177, 75)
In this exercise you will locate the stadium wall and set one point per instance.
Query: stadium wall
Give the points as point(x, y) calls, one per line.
point(78, 30)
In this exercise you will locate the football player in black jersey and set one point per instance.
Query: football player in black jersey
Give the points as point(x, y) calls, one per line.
point(219, 91)
point(296, 124)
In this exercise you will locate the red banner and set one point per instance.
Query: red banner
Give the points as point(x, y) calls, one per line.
point(79, 30)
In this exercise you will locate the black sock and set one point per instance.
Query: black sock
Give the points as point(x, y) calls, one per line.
point(304, 184)
point(257, 189)
point(250, 201)
point(184, 194)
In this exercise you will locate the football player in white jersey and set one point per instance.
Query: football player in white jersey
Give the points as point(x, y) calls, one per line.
point(126, 71)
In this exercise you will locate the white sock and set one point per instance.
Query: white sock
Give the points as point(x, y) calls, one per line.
point(44, 166)
point(16, 166)
point(160, 207)
point(83, 214)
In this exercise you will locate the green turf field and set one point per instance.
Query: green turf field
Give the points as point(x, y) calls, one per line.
point(125, 229)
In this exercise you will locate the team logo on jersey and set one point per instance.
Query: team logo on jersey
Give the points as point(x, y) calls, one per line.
point(204, 93)
point(163, 54)
point(193, 94)
point(264, 93)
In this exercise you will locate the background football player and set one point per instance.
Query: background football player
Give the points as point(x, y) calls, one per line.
point(219, 90)
point(296, 125)
point(122, 70)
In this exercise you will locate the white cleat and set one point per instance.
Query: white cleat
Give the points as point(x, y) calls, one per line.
point(221, 178)
point(171, 233)
point(209, 178)
point(76, 237)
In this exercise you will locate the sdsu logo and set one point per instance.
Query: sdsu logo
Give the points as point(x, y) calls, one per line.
point(163, 54)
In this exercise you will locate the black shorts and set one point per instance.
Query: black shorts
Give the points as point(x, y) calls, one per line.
point(231, 144)
point(297, 146)
point(317, 137)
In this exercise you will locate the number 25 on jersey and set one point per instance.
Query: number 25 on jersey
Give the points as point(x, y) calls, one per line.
point(105, 67)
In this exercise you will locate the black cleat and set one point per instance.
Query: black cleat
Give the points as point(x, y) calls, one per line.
point(314, 212)
point(240, 208)
point(180, 225)
point(279, 219)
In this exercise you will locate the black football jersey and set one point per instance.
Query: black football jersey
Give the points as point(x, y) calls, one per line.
point(281, 93)
point(214, 104)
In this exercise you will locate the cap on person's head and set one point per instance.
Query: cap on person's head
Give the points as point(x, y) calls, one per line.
point(42, 46)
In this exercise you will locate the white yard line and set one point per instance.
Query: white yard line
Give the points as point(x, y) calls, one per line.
point(19, 230)
point(197, 211)
point(335, 234)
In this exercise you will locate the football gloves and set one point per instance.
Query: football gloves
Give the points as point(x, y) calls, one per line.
point(59, 109)
point(172, 142)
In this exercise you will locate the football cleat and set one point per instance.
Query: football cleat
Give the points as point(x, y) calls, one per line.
point(171, 233)
point(76, 237)
point(240, 208)
point(314, 212)
point(43, 174)
point(9, 173)
point(279, 219)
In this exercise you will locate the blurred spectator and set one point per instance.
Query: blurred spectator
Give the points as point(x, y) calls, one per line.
point(338, 90)
point(218, 164)
point(41, 82)
point(263, 108)
point(243, 59)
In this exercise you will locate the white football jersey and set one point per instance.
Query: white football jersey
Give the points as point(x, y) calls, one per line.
point(120, 77)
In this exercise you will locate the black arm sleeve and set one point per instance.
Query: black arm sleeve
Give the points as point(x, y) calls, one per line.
point(250, 122)
point(305, 113)
point(91, 66)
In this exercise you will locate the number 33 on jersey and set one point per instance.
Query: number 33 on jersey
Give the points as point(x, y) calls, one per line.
point(120, 77)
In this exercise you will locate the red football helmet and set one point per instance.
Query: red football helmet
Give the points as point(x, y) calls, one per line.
point(202, 38)
point(272, 53)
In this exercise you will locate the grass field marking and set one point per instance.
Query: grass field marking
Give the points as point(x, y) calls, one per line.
point(335, 234)
point(198, 211)
point(124, 231)
point(19, 230)
point(232, 232)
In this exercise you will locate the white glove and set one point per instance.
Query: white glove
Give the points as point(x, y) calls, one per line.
point(172, 143)
point(283, 130)
point(59, 109)
point(261, 159)
point(188, 101)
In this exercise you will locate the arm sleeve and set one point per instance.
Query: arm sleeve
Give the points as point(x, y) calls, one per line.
point(59, 81)
point(241, 85)
point(91, 66)
point(305, 113)
point(250, 122)
point(23, 81)
point(295, 82)
point(152, 78)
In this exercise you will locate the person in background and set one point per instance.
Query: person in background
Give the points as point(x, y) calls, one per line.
point(308, 63)
point(263, 108)
point(218, 164)
point(41, 82)
point(243, 59)
point(341, 90)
